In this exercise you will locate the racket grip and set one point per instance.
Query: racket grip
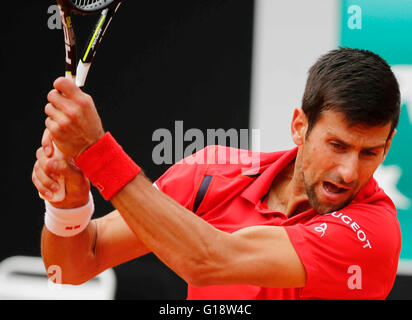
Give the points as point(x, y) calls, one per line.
point(81, 73)
point(61, 193)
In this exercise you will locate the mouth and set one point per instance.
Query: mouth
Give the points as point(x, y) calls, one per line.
point(333, 191)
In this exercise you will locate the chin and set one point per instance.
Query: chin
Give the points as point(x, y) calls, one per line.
point(321, 204)
point(323, 208)
point(326, 210)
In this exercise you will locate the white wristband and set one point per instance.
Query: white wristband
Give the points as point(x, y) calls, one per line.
point(68, 222)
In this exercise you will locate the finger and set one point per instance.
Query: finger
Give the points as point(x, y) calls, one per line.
point(44, 179)
point(58, 100)
point(61, 108)
point(46, 143)
point(55, 114)
point(45, 193)
point(45, 162)
point(58, 128)
point(52, 126)
point(52, 167)
point(67, 87)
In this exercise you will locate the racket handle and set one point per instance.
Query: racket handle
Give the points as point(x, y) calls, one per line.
point(68, 75)
point(61, 193)
point(81, 73)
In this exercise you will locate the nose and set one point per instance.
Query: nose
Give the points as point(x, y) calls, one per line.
point(348, 168)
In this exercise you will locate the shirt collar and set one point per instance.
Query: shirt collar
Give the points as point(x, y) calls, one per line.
point(258, 188)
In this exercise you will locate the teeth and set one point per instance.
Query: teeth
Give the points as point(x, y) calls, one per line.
point(330, 187)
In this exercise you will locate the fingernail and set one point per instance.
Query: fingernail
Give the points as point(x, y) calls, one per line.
point(48, 194)
point(55, 187)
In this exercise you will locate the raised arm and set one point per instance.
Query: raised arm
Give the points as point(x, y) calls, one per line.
point(194, 249)
point(202, 254)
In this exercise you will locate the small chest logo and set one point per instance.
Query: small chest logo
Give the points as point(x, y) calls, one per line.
point(321, 229)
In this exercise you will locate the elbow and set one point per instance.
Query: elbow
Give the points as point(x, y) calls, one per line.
point(212, 272)
point(207, 268)
point(198, 279)
point(56, 275)
point(75, 281)
point(71, 280)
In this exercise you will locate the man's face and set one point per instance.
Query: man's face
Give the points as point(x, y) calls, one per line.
point(337, 160)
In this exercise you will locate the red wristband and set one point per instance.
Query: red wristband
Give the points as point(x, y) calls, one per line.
point(107, 166)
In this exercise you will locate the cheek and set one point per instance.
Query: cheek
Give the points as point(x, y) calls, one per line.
point(317, 160)
point(366, 171)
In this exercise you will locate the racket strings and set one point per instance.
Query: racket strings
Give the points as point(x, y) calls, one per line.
point(91, 5)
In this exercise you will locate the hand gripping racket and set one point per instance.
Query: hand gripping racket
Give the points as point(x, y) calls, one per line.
point(78, 72)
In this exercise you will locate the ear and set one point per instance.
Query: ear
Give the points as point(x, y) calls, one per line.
point(388, 144)
point(299, 126)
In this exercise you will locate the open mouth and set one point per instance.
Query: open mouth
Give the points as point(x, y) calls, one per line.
point(333, 189)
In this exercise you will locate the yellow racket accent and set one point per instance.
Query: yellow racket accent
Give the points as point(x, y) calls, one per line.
point(102, 18)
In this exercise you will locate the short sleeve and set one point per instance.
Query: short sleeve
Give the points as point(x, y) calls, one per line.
point(182, 180)
point(348, 254)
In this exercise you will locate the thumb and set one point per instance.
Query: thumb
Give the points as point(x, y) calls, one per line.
point(66, 86)
point(46, 143)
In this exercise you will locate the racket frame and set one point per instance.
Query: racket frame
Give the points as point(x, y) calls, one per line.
point(85, 10)
point(78, 71)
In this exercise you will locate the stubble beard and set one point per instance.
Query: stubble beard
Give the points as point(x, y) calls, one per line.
point(316, 204)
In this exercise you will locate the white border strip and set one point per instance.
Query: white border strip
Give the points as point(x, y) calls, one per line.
point(404, 267)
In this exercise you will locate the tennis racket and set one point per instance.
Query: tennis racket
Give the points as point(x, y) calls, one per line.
point(78, 71)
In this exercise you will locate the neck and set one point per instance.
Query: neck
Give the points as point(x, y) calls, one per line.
point(287, 193)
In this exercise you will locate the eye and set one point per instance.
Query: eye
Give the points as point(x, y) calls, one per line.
point(337, 146)
point(369, 153)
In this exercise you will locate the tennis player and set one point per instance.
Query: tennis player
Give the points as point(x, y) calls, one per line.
point(305, 223)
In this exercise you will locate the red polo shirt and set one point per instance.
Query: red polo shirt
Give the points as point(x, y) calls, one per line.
point(349, 254)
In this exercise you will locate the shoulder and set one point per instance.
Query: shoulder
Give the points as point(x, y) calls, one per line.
point(182, 180)
point(375, 211)
point(363, 235)
point(375, 223)
point(217, 159)
point(371, 216)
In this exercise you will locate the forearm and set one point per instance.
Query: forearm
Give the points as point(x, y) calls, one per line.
point(105, 243)
point(74, 256)
point(201, 254)
point(182, 240)
point(155, 222)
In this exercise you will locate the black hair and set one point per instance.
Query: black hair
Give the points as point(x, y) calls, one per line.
point(358, 83)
